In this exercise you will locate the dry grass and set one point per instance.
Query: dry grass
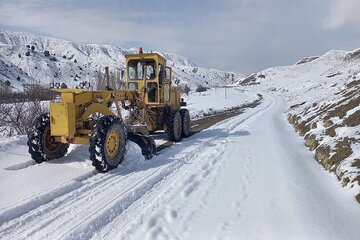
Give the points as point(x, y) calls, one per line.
point(322, 155)
point(311, 142)
point(341, 110)
point(358, 197)
point(331, 131)
point(353, 120)
point(342, 151)
point(302, 128)
point(356, 163)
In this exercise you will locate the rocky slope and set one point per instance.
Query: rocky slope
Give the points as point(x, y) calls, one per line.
point(323, 94)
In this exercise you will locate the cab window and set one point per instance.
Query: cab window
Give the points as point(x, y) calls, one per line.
point(135, 70)
point(140, 67)
point(168, 73)
point(150, 71)
point(161, 71)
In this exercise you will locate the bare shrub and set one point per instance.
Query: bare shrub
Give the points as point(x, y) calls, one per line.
point(185, 89)
point(31, 93)
point(4, 109)
point(18, 118)
point(18, 110)
point(201, 88)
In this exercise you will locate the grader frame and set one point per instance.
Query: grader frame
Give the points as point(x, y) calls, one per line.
point(152, 102)
point(71, 119)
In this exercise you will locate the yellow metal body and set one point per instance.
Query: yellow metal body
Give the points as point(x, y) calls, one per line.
point(70, 119)
point(62, 119)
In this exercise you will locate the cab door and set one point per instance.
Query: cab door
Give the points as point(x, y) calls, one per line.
point(167, 84)
point(152, 83)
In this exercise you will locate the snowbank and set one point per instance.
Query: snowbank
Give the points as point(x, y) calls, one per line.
point(217, 100)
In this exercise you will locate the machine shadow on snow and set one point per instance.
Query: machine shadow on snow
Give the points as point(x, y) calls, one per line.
point(20, 166)
point(76, 154)
point(223, 133)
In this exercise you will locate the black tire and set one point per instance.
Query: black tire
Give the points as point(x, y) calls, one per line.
point(107, 143)
point(153, 149)
point(174, 126)
point(185, 123)
point(146, 143)
point(39, 142)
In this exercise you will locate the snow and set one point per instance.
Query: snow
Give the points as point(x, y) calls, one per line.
point(217, 100)
point(230, 181)
point(17, 167)
point(247, 177)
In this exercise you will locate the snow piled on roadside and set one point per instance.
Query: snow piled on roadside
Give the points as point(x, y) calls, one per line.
point(217, 100)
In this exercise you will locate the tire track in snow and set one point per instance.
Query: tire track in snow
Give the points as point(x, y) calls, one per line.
point(74, 191)
point(187, 185)
point(240, 202)
point(71, 190)
point(185, 161)
point(43, 216)
point(44, 203)
point(243, 190)
point(123, 202)
point(50, 219)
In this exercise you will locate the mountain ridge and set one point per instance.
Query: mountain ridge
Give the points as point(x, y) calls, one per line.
point(43, 60)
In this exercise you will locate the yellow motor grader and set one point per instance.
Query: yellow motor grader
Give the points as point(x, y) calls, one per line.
point(94, 117)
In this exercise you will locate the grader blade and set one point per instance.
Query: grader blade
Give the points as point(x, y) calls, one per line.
point(146, 143)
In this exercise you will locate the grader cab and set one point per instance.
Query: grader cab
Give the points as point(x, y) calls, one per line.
point(95, 117)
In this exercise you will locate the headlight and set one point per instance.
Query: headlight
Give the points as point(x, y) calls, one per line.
point(132, 86)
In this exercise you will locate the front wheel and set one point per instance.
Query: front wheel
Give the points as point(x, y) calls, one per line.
point(42, 147)
point(107, 143)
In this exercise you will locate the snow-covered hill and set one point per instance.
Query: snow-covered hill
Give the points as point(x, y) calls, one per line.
point(28, 58)
point(323, 94)
point(247, 177)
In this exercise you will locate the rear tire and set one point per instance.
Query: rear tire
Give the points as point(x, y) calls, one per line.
point(107, 143)
point(185, 123)
point(174, 126)
point(41, 145)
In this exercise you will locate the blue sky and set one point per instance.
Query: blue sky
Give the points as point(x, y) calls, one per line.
point(238, 35)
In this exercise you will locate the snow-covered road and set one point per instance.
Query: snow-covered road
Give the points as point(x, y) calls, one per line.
point(248, 177)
